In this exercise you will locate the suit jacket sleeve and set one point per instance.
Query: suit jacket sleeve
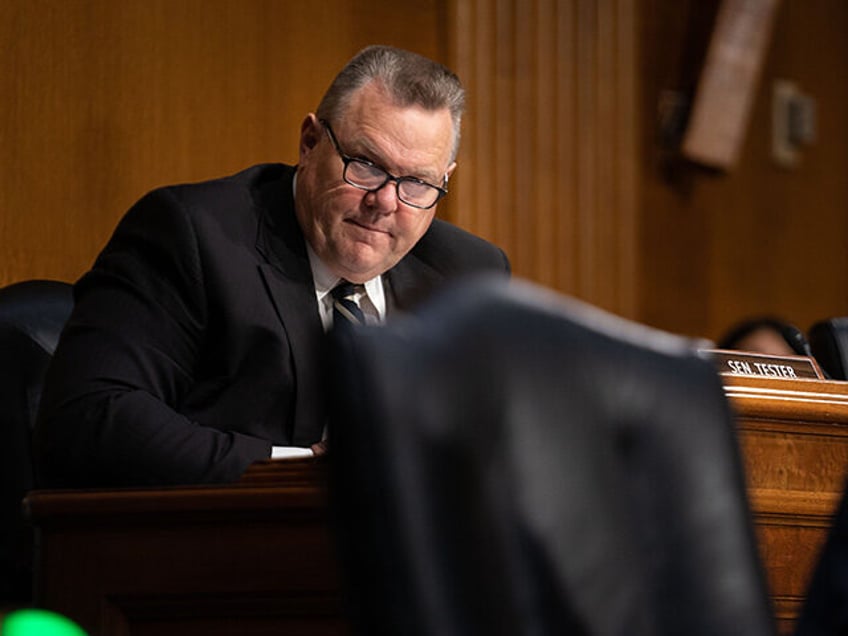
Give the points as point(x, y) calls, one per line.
point(110, 409)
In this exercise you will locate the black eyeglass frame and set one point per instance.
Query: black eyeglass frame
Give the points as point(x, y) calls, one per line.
point(347, 160)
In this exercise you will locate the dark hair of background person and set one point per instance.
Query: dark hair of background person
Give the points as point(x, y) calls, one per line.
point(742, 333)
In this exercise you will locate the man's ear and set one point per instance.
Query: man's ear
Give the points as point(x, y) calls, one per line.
point(310, 135)
point(450, 169)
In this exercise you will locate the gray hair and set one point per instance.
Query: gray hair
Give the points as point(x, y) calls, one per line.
point(409, 78)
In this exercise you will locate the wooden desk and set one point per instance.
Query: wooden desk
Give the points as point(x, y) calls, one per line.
point(248, 559)
point(257, 557)
point(794, 437)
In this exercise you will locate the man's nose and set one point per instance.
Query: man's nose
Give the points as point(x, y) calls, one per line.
point(385, 198)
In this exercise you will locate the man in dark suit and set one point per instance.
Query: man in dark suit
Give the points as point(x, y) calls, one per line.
point(195, 345)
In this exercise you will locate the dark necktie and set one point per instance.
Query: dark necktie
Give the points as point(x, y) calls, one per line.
point(345, 310)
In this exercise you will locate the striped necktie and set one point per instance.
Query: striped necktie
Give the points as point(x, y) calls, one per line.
point(345, 309)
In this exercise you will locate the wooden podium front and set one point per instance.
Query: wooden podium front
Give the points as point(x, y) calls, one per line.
point(257, 557)
point(251, 558)
point(794, 437)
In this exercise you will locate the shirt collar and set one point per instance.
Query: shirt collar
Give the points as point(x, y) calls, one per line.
point(325, 280)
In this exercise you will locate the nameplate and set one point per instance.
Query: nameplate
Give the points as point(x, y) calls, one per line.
point(756, 364)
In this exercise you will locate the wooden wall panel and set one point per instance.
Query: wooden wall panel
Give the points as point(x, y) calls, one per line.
point(564, 162)
point(547, 166)
point(561, 163)
point(716, 247)
point(102, 101)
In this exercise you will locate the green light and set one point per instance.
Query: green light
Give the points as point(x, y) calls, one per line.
point(33, 622)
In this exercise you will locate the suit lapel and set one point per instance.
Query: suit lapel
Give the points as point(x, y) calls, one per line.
point(408, 283)
point(288, 279)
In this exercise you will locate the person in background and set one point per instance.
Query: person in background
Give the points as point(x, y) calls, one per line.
point(766, 334)
point(196, 344)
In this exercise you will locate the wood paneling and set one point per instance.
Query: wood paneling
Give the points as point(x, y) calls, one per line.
point(794, 436)
point(252, 559)
point(103, 101)
point(716, 247)
point(566, 166)
point(562, 162)
point(547, 166)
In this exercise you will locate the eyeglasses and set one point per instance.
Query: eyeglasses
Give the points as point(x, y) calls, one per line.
point(368, 176)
